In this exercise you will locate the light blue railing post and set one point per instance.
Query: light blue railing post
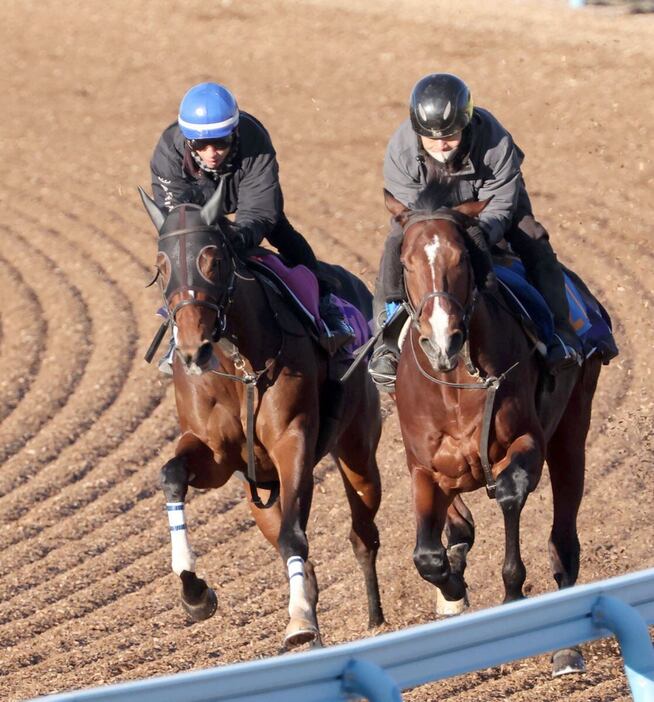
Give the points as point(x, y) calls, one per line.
point(370, 681)
point(632, 633)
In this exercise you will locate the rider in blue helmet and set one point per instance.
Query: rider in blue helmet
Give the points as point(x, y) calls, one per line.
point(446, 137)
point(211, 141)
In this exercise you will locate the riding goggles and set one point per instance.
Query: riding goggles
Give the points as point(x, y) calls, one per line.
point(217, 143)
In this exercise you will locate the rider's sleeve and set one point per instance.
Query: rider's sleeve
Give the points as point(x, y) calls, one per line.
point(168, 184)
point(398, 180)
point(504, 186)
point(260, 202)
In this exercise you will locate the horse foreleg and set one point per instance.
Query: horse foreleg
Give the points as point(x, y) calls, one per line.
point(429, 555)
point(460, 534)
point(523, 464)
point(197, 599)
point(294, 465)
point(269, 522)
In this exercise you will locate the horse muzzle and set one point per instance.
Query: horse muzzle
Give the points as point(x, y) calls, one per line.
point(197, 360)
point(443, 360)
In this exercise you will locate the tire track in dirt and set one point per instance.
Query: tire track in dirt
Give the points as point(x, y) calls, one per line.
point(110, 356)
point(48, 393)
point(22, 327)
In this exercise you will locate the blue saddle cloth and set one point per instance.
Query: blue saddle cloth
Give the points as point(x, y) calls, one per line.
point(587, 316)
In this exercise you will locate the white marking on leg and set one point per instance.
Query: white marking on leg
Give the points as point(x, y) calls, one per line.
point(298, 604)
point(438, 321)
point(183, 557)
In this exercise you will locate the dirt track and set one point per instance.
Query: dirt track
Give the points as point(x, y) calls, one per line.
point(87, 593)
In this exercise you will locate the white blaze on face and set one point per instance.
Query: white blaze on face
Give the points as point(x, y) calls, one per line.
point(439, 319)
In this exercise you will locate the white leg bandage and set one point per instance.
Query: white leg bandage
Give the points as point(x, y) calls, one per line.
point(183, 557)
point(298, 605)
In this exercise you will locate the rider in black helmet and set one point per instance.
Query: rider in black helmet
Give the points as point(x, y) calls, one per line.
point(447, 137)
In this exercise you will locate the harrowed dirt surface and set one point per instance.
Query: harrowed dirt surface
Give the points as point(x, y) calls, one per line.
point(87, 595)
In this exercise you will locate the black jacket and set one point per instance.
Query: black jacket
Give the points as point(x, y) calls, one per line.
point(251, 172)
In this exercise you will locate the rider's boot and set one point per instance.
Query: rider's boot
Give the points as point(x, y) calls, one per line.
point(385, 356)
point(337, 332)
point(545, 272)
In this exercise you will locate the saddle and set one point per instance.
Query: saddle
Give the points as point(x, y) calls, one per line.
point(588, 317)
point(298, 287)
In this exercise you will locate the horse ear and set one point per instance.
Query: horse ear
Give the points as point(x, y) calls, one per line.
point(393, 205)
point(473, 208)
point(156, 215)
point(399, 211)
point(214, 207)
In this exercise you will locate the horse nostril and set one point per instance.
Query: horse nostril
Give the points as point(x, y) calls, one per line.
point(426, 345)
point(203, 354)
point(455, 345)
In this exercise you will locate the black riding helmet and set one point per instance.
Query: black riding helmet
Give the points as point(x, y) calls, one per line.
point(440, 105)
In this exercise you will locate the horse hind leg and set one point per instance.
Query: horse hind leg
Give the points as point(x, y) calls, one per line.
point(198, 600)
point(566, 460)
point(460, 534)
point(363, 490)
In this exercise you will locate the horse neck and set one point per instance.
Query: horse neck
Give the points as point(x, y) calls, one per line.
point(493, 336)
point(250, 323)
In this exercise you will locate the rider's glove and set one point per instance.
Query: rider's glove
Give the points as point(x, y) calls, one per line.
point(478, 236)
point(240, 239)
point(480, 256)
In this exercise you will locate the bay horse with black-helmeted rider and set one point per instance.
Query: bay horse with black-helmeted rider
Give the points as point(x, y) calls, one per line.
point(250, 386)
point(475, 409)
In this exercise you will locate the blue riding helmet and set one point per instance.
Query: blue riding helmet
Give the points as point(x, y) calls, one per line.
point(208, 111)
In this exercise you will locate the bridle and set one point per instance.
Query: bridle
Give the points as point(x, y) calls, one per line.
point(466, 308)
point(188, 280)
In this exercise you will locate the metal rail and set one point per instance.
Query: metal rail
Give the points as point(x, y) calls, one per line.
point(378, 668)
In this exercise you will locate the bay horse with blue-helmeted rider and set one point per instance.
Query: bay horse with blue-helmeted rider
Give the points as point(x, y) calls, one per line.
point(254, 396)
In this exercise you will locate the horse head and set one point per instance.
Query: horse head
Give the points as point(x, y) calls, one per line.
point(438, 275)
point(196, 269)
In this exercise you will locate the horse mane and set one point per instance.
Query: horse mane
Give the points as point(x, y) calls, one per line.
point(441, 191)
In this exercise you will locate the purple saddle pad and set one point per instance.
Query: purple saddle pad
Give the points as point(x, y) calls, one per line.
point(304, 285)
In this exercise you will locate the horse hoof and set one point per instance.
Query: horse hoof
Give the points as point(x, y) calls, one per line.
point(449, 608)
point(204, 608)
point(317, 642)
point(300, 631)
point(567, 660)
